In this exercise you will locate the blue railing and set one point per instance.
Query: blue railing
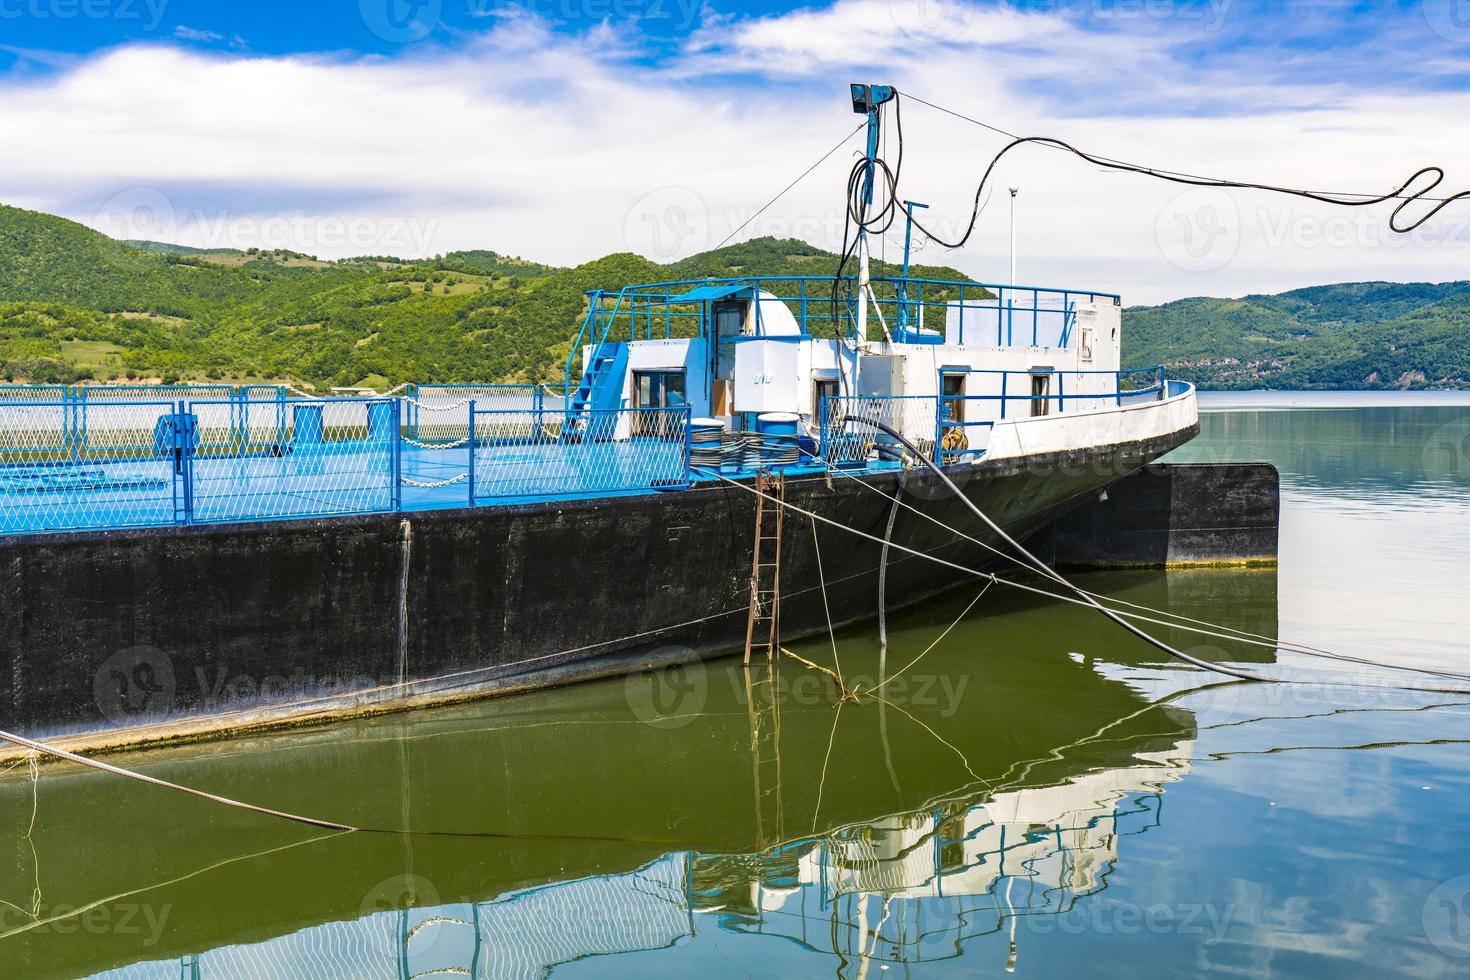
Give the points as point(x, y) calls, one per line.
point(1059, 391)
point(983, 312)
point(136, 463)
point(530, 455)
point(116, 462)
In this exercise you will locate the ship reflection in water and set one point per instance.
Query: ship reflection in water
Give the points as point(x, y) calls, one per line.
point(995, 787)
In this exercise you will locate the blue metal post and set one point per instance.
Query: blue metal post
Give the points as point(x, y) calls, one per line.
point(688, 447)
point(396, 457)
point(185, 447)
point(471, 445)
point(908, 238)
point(1003, 376)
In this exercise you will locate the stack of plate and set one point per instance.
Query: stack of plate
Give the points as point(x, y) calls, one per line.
point(706, 436)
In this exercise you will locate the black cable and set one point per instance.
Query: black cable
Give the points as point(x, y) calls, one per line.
point(863, 179)
point(1047, 570)
point(1401, 193)
point(820, 160)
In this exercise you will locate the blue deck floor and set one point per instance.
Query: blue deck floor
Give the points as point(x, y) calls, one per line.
point(346, 478)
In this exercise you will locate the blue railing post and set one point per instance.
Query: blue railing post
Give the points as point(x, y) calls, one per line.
point(939, 421)
point(1161, 383)
point(962, 316)
point(184, 447)
point(1004, 375)
point(395, 455)
point(688, 447)
point(471, 445)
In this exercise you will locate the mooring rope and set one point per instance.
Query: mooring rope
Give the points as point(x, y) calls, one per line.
point(1213, 630)
point(1084, 601)
point(826, 606)
point(81, 760)
point(937, 640)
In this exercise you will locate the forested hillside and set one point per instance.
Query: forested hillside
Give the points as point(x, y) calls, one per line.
point(77, 305)
point(1353, 335)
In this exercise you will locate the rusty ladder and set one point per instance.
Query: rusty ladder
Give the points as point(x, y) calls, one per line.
point(765, 569)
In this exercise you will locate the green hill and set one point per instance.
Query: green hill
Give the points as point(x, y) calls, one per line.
point(1352, 335)
point(75, 305)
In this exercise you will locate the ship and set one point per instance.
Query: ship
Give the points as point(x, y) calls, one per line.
point(730, 464)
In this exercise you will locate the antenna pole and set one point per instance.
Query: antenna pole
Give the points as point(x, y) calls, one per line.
point(867, 100)
point(908, 239)
point(1014, 192)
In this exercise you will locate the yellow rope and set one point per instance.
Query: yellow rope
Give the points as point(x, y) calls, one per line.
point(826, 608)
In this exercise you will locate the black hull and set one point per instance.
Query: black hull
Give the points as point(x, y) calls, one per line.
point(129, 636)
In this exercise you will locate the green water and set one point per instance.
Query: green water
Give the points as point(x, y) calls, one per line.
point(1035, 793)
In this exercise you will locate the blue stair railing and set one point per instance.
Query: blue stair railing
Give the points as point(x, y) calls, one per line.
point(600, 384)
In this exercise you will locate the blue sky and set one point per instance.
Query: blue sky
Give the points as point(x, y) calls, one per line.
point(564, 129)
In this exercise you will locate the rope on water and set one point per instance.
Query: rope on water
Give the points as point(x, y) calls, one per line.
point(937, 640)
point(826, 607)
point(1173, 621)
point(1085, 600)
point(42, 748)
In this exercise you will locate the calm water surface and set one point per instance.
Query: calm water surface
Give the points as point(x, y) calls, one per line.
point(1035, 794)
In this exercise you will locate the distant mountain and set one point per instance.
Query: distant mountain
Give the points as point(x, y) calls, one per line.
point(77, 305)
point(1352, 335)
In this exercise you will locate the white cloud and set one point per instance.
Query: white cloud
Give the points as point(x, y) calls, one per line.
point(564, 147)
point(191, 34)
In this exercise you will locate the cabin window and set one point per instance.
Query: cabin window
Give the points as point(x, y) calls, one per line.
point(659, 389)
point(1040, 393)
point(729, 323)
point(823, 388)
point(952, 396)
